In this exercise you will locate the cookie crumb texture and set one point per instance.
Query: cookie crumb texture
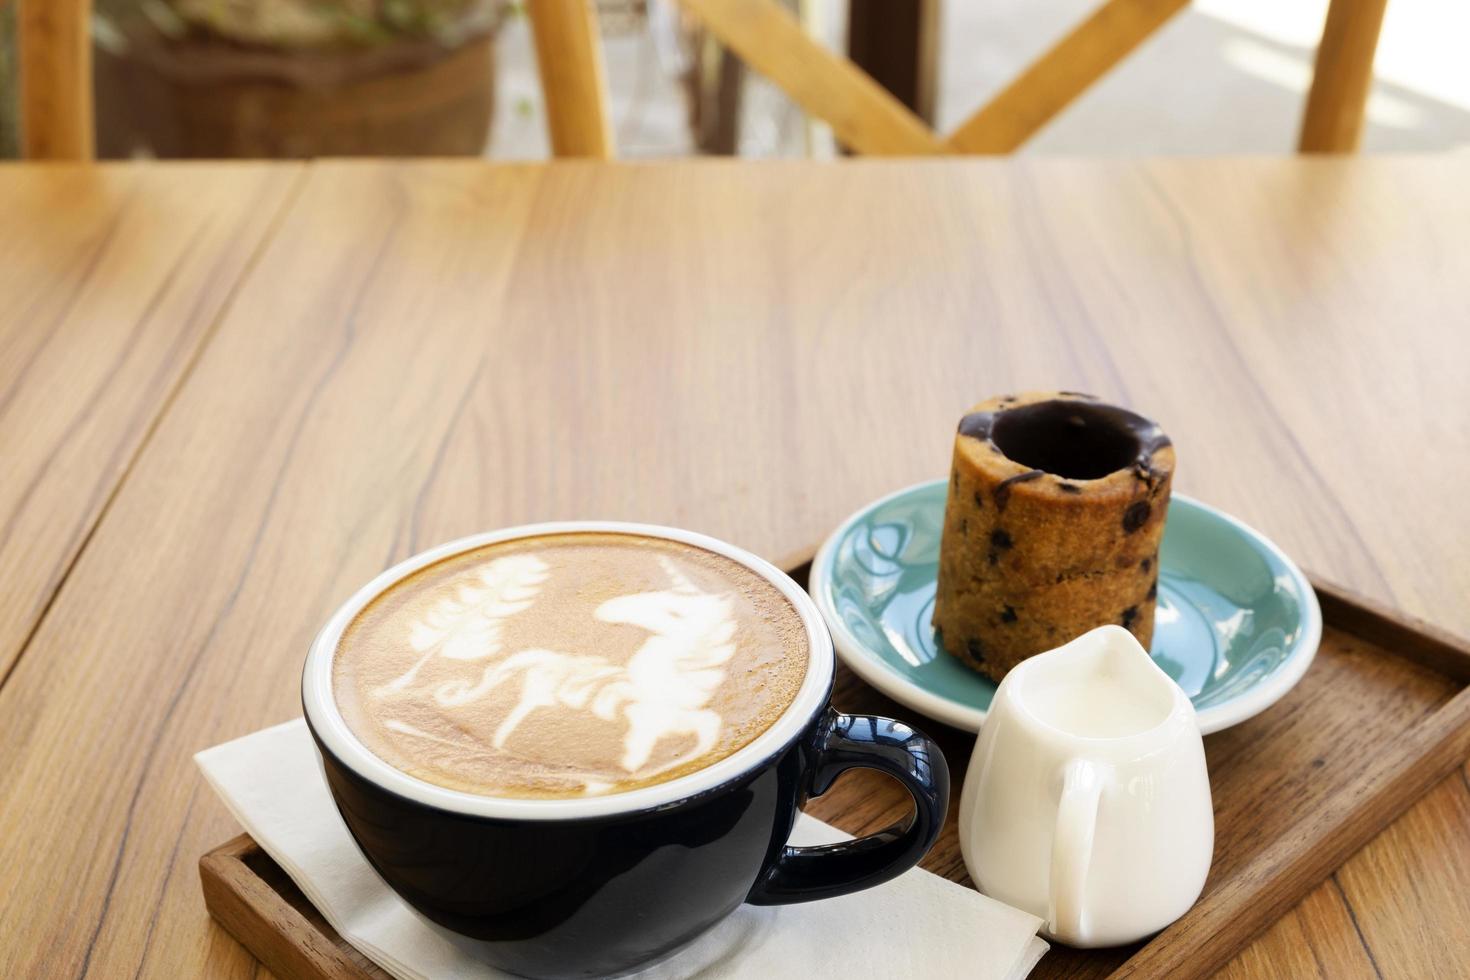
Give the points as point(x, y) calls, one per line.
point(1052, 526)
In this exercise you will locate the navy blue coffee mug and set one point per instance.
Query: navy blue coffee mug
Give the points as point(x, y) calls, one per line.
point(601, 885)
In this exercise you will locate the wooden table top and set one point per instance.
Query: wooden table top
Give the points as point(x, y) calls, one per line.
point(231, 393)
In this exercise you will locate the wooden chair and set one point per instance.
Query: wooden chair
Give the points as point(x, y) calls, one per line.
point(869, 120)
point(56, 77)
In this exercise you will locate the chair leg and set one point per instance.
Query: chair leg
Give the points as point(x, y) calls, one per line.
point(573, 80)
point(1333, 122)
point(718, 88)
point(54, 38)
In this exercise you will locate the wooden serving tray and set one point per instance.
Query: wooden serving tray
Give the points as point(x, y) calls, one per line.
point(1382, 715)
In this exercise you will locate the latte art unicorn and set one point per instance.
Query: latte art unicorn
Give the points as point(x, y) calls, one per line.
point(667, 684)
point(569, 664)
point(663, 690)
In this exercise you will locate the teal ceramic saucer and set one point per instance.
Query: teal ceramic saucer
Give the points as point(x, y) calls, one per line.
point(1237, 622)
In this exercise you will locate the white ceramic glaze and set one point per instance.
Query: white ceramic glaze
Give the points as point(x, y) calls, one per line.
point(1087, 802)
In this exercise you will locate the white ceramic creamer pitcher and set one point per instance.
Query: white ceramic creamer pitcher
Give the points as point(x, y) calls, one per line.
point(1087, 802)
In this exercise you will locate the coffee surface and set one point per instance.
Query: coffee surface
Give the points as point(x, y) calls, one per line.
point(569, 665)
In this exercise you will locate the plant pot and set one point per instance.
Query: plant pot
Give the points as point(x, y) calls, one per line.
point(203, 97)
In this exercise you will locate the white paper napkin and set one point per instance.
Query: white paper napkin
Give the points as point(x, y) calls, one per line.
point(918, 925)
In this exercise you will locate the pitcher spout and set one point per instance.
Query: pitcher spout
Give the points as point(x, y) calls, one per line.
point(1101, 685)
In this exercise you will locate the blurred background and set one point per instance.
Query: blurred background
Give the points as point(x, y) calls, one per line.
point(303, 78)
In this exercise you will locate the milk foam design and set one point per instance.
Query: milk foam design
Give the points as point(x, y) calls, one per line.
point(466, 625)
point(662, 691)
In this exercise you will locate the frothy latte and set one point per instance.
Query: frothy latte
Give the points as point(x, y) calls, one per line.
point(568, 665)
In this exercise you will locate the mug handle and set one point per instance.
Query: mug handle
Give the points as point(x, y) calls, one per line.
point(805, 874)
point(1071, 848)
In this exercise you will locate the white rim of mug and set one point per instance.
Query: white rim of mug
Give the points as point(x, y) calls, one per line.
point(330, 727)
point(874, 670)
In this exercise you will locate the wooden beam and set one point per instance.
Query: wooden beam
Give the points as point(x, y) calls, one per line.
point(861, 112)
point(55, 44)
point(1063, 73)
point(898, 45)
point(573, 79)
point(1333, 121)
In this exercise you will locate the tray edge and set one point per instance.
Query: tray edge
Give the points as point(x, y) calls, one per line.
point(1197, 945)
point(256, 915)
point(1211, 933)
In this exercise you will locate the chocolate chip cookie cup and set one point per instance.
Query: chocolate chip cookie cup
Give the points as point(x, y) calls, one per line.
point(1052, 525)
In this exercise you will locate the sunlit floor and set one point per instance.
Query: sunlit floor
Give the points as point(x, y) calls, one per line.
point(1225, 76)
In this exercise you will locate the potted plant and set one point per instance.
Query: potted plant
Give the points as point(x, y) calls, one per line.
point(294, 78)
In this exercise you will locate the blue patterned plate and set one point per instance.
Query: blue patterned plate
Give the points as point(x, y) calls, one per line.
point(1237, 623)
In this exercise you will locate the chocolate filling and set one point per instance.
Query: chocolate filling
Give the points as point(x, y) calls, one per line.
point(1075, 440)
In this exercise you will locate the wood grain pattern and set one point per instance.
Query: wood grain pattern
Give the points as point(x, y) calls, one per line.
point(862, 114)
point(247, 894)
point(1307, 943)
point(1047, 86)
point(1342, 77)
point(1408, 891)
point(54, 39)
point(429, 349)
point(1436, 648)
point(573, 79)
point(112, 280)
